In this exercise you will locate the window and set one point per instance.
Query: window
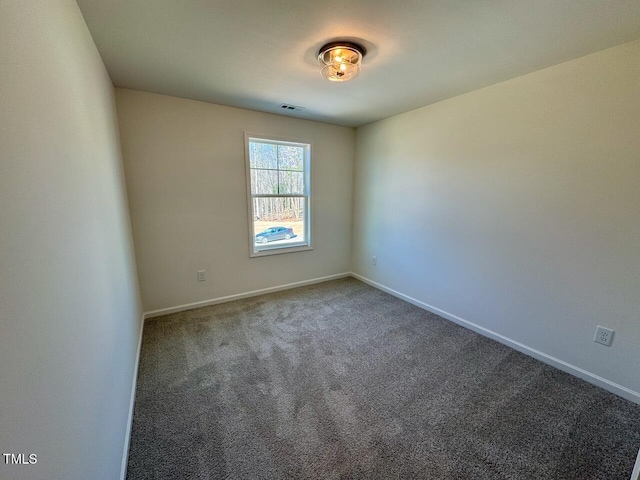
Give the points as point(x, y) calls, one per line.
point(278, 185)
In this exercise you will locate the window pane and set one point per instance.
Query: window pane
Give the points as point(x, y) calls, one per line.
point(278, 222)
point(291, 182)
point(263, 155)
point(278, 168)
point(290, 158)
point(264, 181)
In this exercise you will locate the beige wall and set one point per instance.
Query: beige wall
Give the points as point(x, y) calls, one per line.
point(185, 170)
point(69, 306)
point(517, 208)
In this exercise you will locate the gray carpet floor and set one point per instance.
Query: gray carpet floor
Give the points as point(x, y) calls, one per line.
point(339, 380)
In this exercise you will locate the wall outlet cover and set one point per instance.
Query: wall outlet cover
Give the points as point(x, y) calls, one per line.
point(603, 335)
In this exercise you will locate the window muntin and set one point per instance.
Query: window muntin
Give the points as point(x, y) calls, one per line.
point(278, 185)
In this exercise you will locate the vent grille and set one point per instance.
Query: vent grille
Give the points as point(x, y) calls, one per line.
point(290, 108)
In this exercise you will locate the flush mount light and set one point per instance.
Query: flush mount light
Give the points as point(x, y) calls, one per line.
point(340, 61)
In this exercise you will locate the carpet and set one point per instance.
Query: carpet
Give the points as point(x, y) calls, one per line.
point(342, 381)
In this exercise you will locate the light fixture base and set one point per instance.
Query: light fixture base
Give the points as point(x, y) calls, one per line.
point(355, 46)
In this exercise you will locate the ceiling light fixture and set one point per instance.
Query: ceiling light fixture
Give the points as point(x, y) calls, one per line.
point(340, 61)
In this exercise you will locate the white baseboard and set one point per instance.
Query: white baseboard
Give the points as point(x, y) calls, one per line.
point(532, 352)
point(238, 296)
point(636, 470)
point(127, 439)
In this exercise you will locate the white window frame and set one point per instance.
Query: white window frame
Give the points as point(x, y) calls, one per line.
point(290, 247)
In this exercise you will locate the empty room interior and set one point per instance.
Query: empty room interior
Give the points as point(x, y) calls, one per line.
point(288, 239)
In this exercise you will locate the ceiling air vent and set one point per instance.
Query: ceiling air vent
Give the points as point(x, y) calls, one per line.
point(291, 108)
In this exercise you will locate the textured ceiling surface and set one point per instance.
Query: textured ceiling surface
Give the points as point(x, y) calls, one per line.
point(258, 54)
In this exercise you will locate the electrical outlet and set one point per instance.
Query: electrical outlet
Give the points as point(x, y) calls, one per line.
point(603, 336)
point(374, 260)
point(202, 276)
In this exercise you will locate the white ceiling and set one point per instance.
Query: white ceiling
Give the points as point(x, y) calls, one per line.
point(257, 54)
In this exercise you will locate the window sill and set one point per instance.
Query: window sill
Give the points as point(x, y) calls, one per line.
point(279, 250)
